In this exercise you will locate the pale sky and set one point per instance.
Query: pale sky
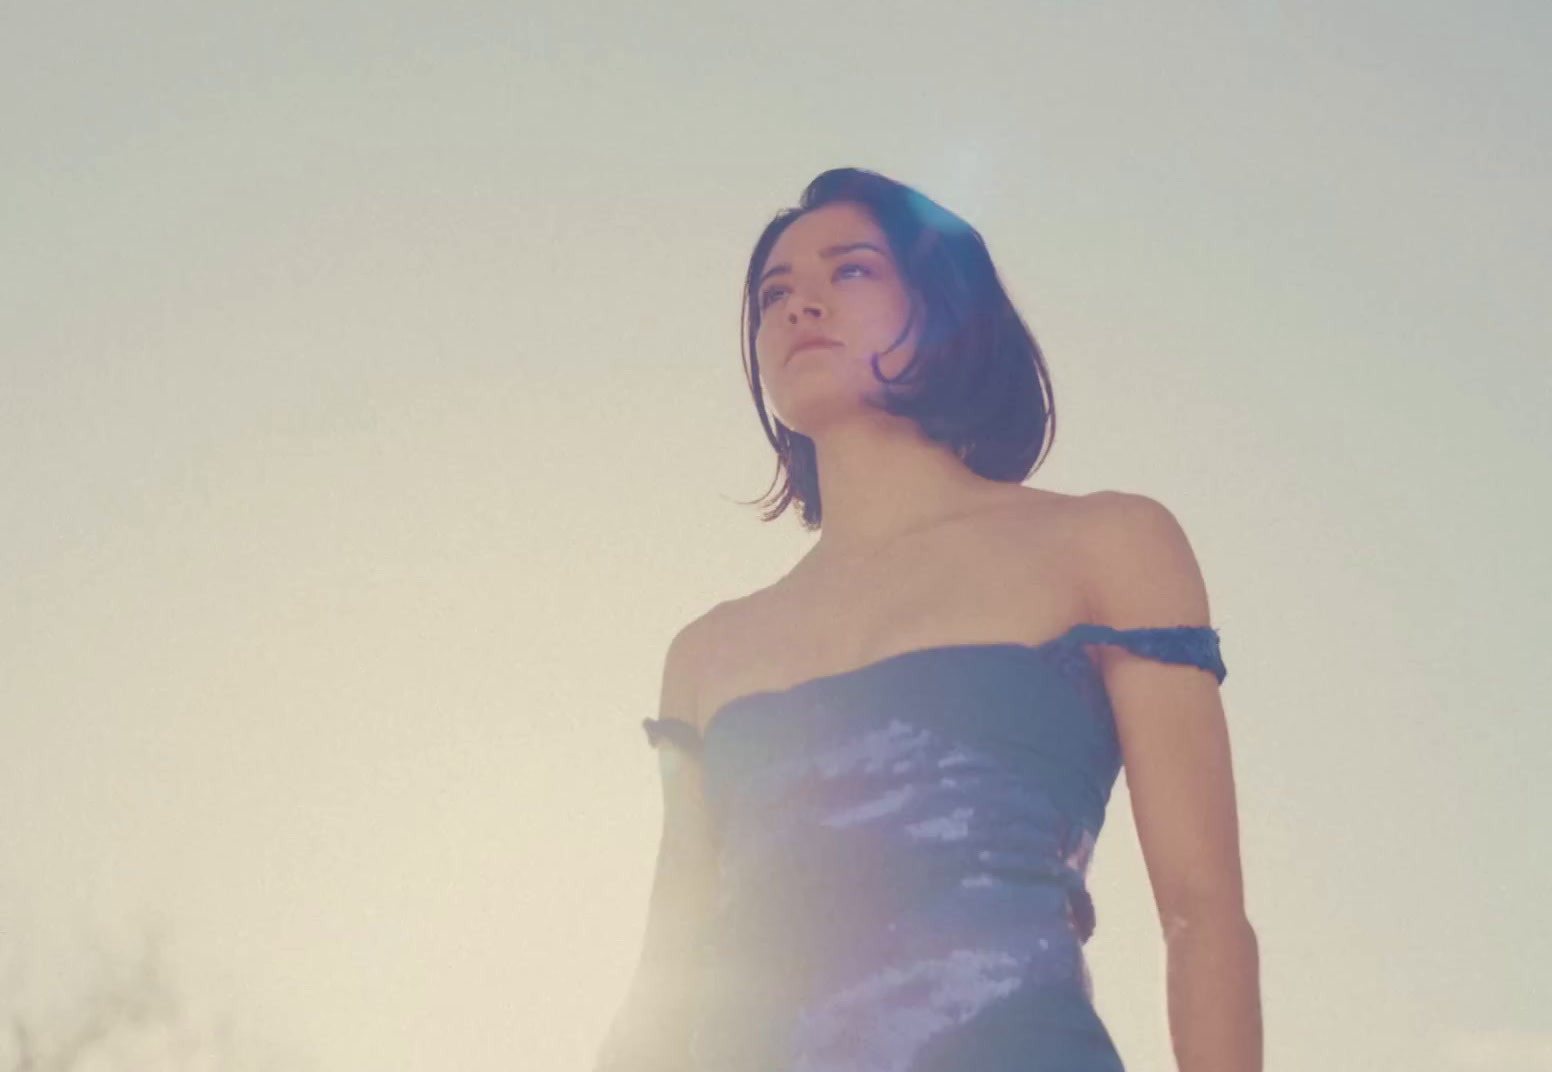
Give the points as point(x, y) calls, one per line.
point(372, 415)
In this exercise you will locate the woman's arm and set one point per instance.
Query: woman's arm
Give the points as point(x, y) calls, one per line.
point(651, 1030)
point(1175, 743)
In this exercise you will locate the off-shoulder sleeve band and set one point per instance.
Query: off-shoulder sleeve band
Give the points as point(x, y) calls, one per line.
point(675, 731)
point(1186, 645)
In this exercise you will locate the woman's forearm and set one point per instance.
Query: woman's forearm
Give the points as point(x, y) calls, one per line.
point(1214, 994)
point(650, 1031)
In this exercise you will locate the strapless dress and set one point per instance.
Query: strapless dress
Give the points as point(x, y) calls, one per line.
point(902, 859)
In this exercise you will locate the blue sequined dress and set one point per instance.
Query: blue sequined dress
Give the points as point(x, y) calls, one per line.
point(902, 854)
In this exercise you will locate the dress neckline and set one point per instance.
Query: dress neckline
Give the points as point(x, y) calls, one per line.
point(809, 684)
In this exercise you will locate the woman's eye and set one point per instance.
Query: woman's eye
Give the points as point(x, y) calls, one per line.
point(765, 299)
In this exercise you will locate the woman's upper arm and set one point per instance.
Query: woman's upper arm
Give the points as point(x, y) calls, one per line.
point(652, 1027)
point(1170, 719)
point(684, 875)
point(686, 819)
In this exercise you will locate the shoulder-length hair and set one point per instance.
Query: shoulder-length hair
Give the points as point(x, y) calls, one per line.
point(977, 382)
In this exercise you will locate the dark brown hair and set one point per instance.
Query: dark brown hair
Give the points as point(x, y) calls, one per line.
point(977, 382)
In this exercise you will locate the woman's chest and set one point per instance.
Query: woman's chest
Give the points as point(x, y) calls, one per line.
point(1007, 582)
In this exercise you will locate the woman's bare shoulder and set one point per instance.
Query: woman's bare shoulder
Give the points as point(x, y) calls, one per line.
point(693, 651)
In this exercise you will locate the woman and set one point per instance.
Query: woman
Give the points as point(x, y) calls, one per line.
point(884, 774)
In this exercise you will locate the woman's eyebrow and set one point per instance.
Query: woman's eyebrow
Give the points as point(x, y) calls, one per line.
point(828, 251)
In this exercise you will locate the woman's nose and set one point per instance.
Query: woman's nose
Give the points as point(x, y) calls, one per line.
point(804, 306)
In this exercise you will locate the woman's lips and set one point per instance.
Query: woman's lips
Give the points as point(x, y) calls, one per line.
point(811, 345)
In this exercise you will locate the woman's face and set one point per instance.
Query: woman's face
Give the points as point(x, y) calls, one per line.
point(830, 274)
